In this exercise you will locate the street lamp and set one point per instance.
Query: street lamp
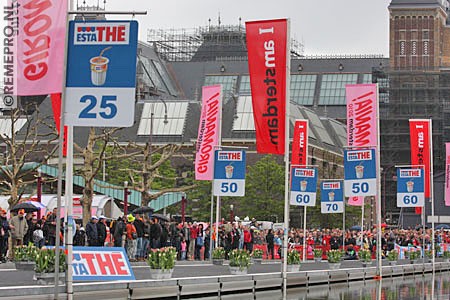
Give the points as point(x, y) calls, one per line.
point(125, 198)
point(39, 191)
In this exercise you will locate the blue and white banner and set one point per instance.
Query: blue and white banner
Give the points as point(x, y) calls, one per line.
point(410, 187)
point(332, 197)
point(360, 172)
point(101, 264)
point(303, 186)
point(229, 173)
point(101, 73)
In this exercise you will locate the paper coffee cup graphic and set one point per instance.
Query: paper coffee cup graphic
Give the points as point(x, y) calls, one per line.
point(99, 68)
point(359, 172)
point(331, 196)
point(229, 171)
point(409, 186)
point(303, 185)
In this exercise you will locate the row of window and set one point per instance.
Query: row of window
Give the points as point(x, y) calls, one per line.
point(413, 48)
point(303, 87)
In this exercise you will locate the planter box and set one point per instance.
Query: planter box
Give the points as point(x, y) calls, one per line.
point(238, 271)
point(161, 274)
point(257, 261)
point(25, 265)
point(392, 262)
point(217, 262)
point(317, 259)
point(49, 278)
point(334, 266)
point(293, 268)
point(366, 263)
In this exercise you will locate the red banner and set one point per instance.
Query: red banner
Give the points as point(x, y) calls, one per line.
point(56, 106)
point(300, 143)
point(420, 150)
point(267, 46)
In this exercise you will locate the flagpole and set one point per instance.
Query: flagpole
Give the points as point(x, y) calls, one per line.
point(343, 225)
point(304, 233)
point(286, 157)
point(378, 196)
point(430, 141)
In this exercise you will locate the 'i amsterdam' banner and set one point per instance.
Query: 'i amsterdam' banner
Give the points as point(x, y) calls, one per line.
point(420, 149)
point(39, 50)
point(267, 46)
point(208, 132)
point(300, 143)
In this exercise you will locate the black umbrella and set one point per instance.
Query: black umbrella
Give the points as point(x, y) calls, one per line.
point(442, 226)
point(355, 228)
point(27, 207)
point(161, 217)
point(143, 210)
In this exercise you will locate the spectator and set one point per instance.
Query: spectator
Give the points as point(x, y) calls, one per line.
point(139, 225)
point(101, 231)
point(4, 234)
point(50, 228)
point(270, 244)
point(19, 228)
point(118, 232)
point(155, 234)
point(131, 238)
point(91, 232)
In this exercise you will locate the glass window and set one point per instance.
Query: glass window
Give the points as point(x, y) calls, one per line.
point(153, 117)
point(228, 84)
point(166, 78)
point(367, 78)
point(332, 90)
point(302, 88)
point(244, 113)
point(150, 76)
point(317, 125)
point(244, 87)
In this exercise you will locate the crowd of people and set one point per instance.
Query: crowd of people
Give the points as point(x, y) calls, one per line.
point(139, 233)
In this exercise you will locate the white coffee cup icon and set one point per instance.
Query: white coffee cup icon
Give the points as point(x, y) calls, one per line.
point(331, 196)
point(359, 172)
point(410, 186)
point(229, 171)
point(99, 67)
point(303, 185)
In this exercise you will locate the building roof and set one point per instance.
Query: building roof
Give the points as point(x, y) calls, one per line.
point(418, 3)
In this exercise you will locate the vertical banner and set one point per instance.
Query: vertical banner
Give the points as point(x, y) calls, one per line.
point(447, 174)
point(420, 150)
point(40, 46)
point(332, 197)
point(361, 120)
point(229, 173)
point(303, 186)
point(56, 107)
point(300, 143)
point(208, 132)
point(267, 63)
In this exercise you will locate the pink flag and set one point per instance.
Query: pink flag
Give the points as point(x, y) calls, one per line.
point(361, 114)
point(208, 132)
point(447, 174)
point(39, 47)
point(356, 201)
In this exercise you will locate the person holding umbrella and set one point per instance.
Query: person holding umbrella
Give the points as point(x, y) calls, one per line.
point(4, 234)
point(19, 228)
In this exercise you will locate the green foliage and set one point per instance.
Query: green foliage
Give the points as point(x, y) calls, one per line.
point(163, 258)
point(25, 253)
point(45, 261)
point(428, 253)
point(257, 253)
point(318, 253)
point(412, 255)
point(446, 254)
point(239, 258)
point(293, 257)
point(365, 255)
point(392, 255)
point(218, 253)
point(334, 256)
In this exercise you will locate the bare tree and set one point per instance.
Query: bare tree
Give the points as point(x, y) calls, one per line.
point(30, 138)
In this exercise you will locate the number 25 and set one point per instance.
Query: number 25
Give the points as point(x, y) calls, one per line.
point(105, 104)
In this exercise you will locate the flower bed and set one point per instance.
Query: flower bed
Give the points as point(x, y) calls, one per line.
point(163, 258)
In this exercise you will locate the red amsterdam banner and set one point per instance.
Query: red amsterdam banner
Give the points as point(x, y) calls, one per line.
point(447, 174)
point(300, 143)
point(420, 150)
point(208, 132)
point(267, 46)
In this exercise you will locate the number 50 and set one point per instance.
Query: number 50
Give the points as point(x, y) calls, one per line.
point(360, 187)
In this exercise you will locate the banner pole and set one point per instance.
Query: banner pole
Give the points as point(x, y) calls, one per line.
point(343, 228)
point(378, 196)
point(430, 141)
point(304, 233)
point(286, 156)
point(211, 220)
point(362, 221)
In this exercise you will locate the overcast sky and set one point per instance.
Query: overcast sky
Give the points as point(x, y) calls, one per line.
point(324, 26)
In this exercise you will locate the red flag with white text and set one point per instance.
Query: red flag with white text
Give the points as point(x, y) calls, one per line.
point(420, 150)
point(267, 46)
point(300, 143)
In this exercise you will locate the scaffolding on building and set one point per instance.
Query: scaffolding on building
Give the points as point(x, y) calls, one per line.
point(207, 43)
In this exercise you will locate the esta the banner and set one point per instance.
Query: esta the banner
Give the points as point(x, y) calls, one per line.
point(267, 44)
point(447, 174)
point(208, 132)
point(300, 143)
point(420, 150)
point(39, 55)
